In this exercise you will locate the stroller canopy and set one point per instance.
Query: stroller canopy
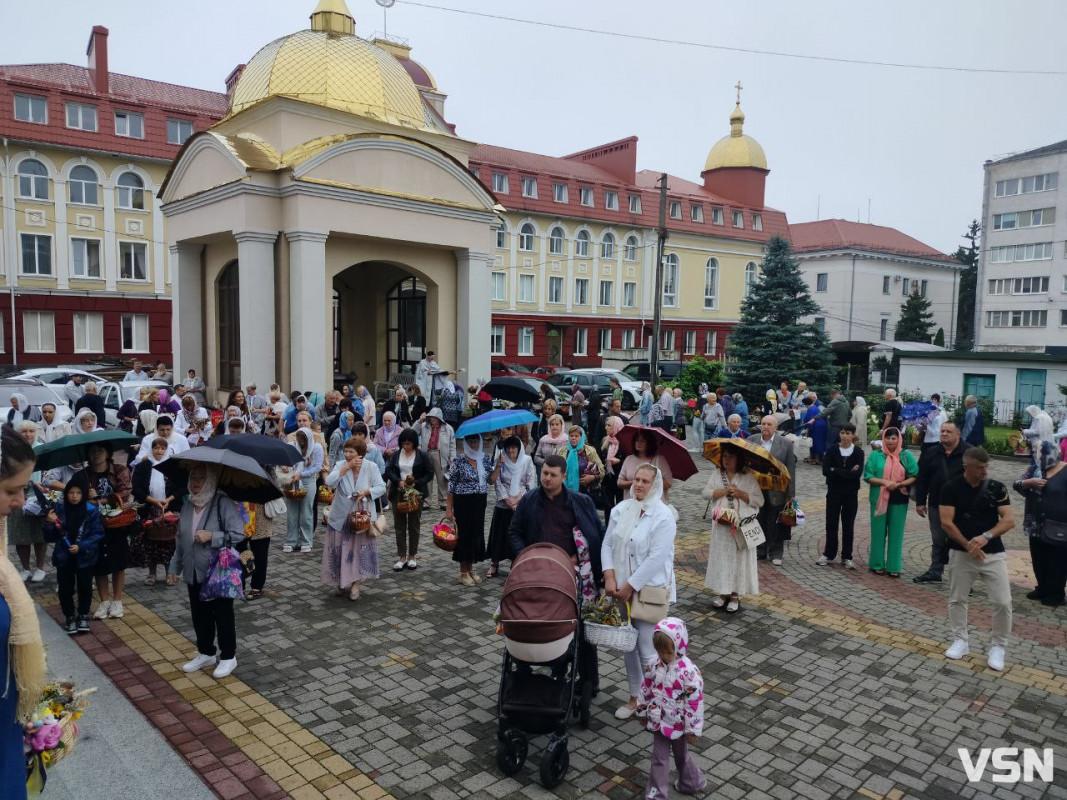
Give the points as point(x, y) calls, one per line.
point(540, 602)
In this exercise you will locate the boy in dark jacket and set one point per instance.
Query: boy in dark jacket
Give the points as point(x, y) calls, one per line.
point(842, 465)
point(77, 530)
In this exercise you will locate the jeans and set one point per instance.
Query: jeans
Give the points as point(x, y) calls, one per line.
point(841, 505)
point(69, 578)
point(213, 618)
point(642, 655)
point(301, 517)
point(994, 574)
point(938, 542)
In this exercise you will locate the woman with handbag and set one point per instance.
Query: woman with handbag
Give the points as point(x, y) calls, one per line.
point(731, 562)
point(612, 456)
point(157, 495)
point(1046, 515)
point(350, 550)
point(889, 472)
point(208, 524)
point(408, 462)
point(468, 488)
point(301, 510)
point(513, 476)
point(638, 562)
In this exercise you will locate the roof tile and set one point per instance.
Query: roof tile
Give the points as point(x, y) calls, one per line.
point(837, 234)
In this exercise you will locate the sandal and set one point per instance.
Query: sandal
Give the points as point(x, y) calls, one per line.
point(717, 602)
point(733, 606)
point(150, 580)
point(493, 570)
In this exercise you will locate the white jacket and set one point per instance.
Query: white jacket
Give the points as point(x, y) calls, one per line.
point(651, 549)
point(346, 486)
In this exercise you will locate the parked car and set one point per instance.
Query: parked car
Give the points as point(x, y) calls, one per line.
point(115, 394)
point(37, 393)
point(498, 369)
point(549, 369)
point(642, 370)
point(563, 400)
point(56, 376)
point(601, 378)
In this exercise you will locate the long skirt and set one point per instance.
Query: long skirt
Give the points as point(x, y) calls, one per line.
point(145, 552)
point(469, 511)
point(115, 556)
point(730, 570)
point(24, 529)
point(500, 535)
point(348, 558)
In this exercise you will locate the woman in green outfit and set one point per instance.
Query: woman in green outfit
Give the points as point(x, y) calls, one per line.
point(889, 471)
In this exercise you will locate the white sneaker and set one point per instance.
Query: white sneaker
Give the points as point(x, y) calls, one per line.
point(116, 611)
point(224, 668)
point(198, 663)
point(776, 561)
point(412, 564)
point(399, 565)
point(25, 575)
point(287, 549)
point(960, 648)
point(102, 610)
point(849, 563)
point(822, 562)
point(303, 549)
point(996, 658)
point(38, 575)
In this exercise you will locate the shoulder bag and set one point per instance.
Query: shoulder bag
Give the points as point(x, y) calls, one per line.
point(1051, 531)
point(650, 604)
point(749, 532)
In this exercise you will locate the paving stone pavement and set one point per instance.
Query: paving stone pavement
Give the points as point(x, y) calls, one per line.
point(829, 684)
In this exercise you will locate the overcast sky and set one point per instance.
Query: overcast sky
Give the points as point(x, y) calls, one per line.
point(912, 141)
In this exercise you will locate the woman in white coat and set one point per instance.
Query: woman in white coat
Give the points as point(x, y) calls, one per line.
point(350, 557)
point(731, 570)
point(638, 552)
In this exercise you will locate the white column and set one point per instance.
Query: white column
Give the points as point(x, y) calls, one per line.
point(473, 313)
point(255, 270)
point(61, 244)
point(311, 340)
point(159, 253)
point(186, 309)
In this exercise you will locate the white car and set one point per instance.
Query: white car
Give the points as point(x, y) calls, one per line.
point(115, 394)
point(56, 378)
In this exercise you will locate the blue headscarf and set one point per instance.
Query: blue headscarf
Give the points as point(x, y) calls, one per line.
point(572, 463)
point(345, 428)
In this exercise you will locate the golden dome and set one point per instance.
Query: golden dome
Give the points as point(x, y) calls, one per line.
point(330, 66)
point(737, 149)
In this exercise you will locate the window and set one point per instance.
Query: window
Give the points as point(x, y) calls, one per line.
point(555, 241)
point(526, 289)
point(500, 285)
point(476, 172)
point(821, 281)
point(496, 340)
point(526, 341)
point(717, 217)
point(128, 123)
point(603, 340)
point(611, 201)
point(675, 209)
point(905, 287)
point(581, 244)
point(133, 261)
point(1038, 217)
point(559, 192)
point(1042, 251)
point(36, 255)
point(696, 213)
point(85, 257)
point(630, 250)
point(820, 324)
point(555, 290)
point(31, 108)
point(739, 219)
point(690, 343)
point(84, 188)
point(668, 340)
point(711, 284)
point(629, 294)
point(710, 341)
point(500, 182)
point(1030, 286)
point(628, 339)
point(581, 291)
point(81, 116)
point(526, 238)
point(607, 246)
point(757, 222)
point(635, 204)
point(1005, 222)
point(1000, 286)
point(1016, 319)
point(885, 284)
point(38, 332)
point(585, 196)
point(883, 330)
point(670, 281)
point(751, 276)
point(88, 333)
point(179, 131)
point(1034, 183)
point(1063, 318)
point(502, 238)
point(33, 180)
point(135, 333)
point(923, 286)
point(131, 191)
point(529, 187)
point(581, 341)
point(607, 293)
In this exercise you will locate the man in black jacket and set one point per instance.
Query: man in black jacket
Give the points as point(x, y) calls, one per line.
point(94, 402)
point(842, 465)
point(937, 466)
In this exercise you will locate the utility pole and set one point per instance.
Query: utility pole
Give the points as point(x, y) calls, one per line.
point(657, 307)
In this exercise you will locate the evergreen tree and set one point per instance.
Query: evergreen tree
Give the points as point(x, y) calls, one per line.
point(968, 256)
point(939, 337)
point(916, 320)
point(771, 344)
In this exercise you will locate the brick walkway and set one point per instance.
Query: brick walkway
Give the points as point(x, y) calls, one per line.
point(829, 684)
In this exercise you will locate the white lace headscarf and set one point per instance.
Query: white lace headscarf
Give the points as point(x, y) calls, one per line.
point(632, 509)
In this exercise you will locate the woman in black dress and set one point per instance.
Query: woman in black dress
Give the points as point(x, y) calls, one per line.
point(612, 454)
point(468, 487)
point(110, 483)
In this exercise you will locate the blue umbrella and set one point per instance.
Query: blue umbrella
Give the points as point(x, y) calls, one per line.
point(917, 410)
point(494, 421)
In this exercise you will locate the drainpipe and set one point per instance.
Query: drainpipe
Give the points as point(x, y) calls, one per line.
point(11, 267)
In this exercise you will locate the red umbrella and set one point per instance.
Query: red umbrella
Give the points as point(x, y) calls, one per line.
point(677, 457)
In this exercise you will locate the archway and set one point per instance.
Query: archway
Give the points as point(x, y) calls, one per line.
point(228, 314)
point(405, 339)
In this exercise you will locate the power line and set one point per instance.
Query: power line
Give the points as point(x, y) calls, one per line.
point(728, 48)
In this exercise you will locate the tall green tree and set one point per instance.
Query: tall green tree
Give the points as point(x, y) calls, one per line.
point(771, 344)
point(916, 320)
point(967, 254)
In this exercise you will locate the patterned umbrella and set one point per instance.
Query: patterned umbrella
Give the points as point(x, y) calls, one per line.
point(771, 474)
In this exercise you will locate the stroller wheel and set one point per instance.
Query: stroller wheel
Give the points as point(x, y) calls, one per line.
point(511, 751)
point(555, 762)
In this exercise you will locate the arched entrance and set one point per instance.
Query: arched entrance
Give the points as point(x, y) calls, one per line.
point(405, 336)
point(228, 293)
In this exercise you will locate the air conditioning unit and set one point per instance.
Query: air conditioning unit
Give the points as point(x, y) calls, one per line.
point(897, 278)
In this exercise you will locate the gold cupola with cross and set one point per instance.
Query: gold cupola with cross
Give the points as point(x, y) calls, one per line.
point(736, 166)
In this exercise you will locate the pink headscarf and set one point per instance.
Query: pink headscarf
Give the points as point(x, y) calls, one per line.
point(893, 470)
point(613, 425)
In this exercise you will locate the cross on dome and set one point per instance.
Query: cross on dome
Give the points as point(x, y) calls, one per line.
point(739, 87)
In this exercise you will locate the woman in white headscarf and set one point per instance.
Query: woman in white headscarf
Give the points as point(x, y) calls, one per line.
point(859, 419)
point(468, 487)
point(638, 554)
point(513, 476)
point(20, 410)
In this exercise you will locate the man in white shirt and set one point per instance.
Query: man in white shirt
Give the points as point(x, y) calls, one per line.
point(74, 389)
point(932, 437)
point(176, 443)
point(136, 375)
point(424, 372)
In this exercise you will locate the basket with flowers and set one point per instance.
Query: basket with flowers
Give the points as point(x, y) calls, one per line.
point(325, 494)
point(445, 536)
point(296, 494)
point(605, 626)
point(163, 528)
point(410, 498)
point(115, 516)
point(52, 731)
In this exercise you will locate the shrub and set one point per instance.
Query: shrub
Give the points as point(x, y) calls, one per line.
point(697, 371)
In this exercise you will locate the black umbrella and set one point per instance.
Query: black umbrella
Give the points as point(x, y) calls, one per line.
point(514, 390)
point(265, 450)
point(241, 479)
point(71, 449)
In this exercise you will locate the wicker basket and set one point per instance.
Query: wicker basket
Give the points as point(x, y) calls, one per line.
point(409, 506)
point(613, 637)
point(161, 529)
point(68, 739)
point(445, 536)
point(123, 520)
point(325, 495)
point(296, 494)
point(359, 519)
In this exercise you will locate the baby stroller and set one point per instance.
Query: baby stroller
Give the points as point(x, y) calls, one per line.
point(547, 675)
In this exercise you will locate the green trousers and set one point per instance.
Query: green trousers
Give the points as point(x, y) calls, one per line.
point(888, 555)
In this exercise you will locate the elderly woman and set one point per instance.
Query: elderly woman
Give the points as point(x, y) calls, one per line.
point(733, 429)
point(889, 473)
point(388, 434)
point(301, 511)
point(513, 476)
point(85, 421)
point(24, 521)
point(438, 442)
point(584, 468)
point(612, 456)
point(167, 404)
point(149, 402)
point(350, 557)
point(157, 495)
point(209, 522)
point(638, 560)
point(1046, 499)
point(407, 462)
point(646, 447)
point(713, 416)
point(468, 488)
point(194, 385)
point(399, 407)
point(859, 419)
point(731, 570)
point(551, 443)
point(20, 410)
point(548, 410)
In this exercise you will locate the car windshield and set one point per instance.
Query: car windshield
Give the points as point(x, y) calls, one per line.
point(36, 395)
